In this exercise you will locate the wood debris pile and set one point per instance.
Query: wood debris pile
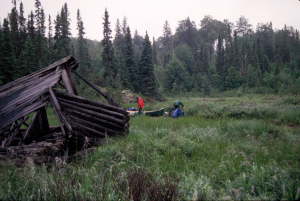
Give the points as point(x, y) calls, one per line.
point(84, 123)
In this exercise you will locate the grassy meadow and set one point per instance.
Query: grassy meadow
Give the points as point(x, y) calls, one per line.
point(223, 148)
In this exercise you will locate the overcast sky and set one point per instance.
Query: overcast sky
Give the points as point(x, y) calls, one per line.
point(145, 15)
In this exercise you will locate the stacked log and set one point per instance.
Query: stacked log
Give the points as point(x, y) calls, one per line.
point(83, 123)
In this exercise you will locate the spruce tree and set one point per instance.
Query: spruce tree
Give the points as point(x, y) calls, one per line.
point(22, 29)
point(129, 65)
point(154, 53)
point(28, 56)
point(7, 61)
point(108, 57)
point(205, 63)
point(14, 28)
point(50, 45)
point(220, 57)
point(147, 79)
point(82, 50)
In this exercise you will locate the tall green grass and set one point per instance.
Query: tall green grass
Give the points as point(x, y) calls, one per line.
point(199, 156)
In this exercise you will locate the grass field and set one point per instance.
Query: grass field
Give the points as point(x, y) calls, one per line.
point(223, 148)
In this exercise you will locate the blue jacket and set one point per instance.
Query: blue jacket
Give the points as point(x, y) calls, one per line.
point(178, 112)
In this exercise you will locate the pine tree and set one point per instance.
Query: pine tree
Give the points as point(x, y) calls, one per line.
point(22, 29)
point(28, 57)
point(118, 41)
point(7, 61)
point(83, 54)
point(220, 57)
point(167, 43)
point(236, 62)
point(205, 63)
point(40, 42)
point(14, 28)
point(277, 58)
point(65, 31)
point(154, 53)
point(129, 65)
point(108, 57)
point(50, 45)
point(147, 79)
point(30, 26)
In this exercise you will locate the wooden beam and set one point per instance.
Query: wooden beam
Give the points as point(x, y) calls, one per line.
point(52, 103)
point(67, 81)
point(110, 101)
point(58, 110)
point(30, 126)
point(68, 70)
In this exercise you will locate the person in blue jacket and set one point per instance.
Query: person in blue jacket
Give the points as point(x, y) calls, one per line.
point(177, 110)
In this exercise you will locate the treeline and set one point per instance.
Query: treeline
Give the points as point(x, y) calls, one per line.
point(219, 56)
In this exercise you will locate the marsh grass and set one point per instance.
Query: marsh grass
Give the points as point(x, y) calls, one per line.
point(211, 153)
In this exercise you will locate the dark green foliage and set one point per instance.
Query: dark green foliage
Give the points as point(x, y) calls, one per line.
point(108, 57)
point(129, 64)
point(28, 59)
point(206, 85)
point(7, 59)
point(146, 77)
point(251, 76)
point(185, 55)
point(83, 56)
point(176, 75)
point(234, 79)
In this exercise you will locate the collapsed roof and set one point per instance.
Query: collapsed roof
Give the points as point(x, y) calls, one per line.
point(83, 122)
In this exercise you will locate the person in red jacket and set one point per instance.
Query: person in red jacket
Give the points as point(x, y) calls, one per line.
point(140, 104)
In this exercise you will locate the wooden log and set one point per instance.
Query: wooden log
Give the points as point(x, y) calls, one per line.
point(97, 109)
point(57, 116)
point(90, 130)
point(30, 126)
point(94, 119)
point(15, 129)
point(96, 114)
point(90, 84)
point(69, 74)
point(93, 126)
point(12, 137)
point(67, 81)
point(60, 115)
point(4, 142)
point(51, 135)
point(91, 102)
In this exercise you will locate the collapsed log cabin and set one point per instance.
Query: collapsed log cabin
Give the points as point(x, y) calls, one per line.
point(83, 123)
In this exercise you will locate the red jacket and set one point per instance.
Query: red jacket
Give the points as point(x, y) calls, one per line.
point(140, 103)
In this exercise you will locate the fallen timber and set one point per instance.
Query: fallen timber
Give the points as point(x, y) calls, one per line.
point(83, 123)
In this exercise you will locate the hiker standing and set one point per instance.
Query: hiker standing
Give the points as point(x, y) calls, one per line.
point(140, 104)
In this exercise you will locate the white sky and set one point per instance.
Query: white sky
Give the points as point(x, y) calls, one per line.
point(145, 15)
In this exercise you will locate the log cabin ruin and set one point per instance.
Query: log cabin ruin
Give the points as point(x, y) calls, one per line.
point(83, 123)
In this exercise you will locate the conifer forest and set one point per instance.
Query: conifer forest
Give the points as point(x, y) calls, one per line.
point(237, 137)
point(220, 56)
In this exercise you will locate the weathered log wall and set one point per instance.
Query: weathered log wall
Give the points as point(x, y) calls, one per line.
point(82, 122)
